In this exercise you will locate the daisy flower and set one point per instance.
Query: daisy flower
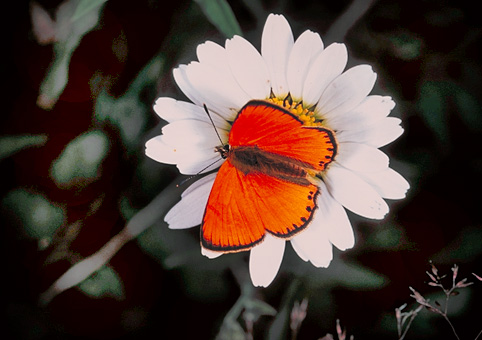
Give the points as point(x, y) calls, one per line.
point(310, 81)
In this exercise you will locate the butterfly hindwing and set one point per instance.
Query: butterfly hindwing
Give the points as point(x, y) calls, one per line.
point(275, 130)
point(229, 223)
point(242, 207)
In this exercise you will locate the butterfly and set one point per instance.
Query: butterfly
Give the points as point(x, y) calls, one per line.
point(267, 182)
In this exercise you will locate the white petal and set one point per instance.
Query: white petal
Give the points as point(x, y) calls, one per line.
point(327, 66)
point(385, 132)
point(332, 216)
point(183, 134)
point(300, 251)
point(378, 135)
point(210, 254)
point(172, 110)
point(312, 244)
point(186, 87)
point(248, 67)
point(190, 160)
point(199, 162)
point(347, 91)
point(370, 111)
point(306, 47)
point(188, 212)
point(219, 90)
point(190, 144)
point(388, 183)
point(276, 43)
point(206, 180)
point(212, 54)
point(160, 151)
point(354, 193)
point(265, 260)
point(361, 157)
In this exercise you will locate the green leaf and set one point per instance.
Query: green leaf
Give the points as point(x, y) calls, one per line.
point(231, 330)
point(435, 98)
point(220, 14)
point(171, 248)
point(255, 308)
point(406, 46)
point(80, 161)
point(10, 145)
point(86, 6)
point(339, 274)
point(356, 277)
point(128, 113)
point(68, 34)
point(205, 285)
point(389, 236)
point(469, 109)
point(465, 247)
point(280, 324)
point(38, 216)
point(104, 283)
point(126, 208)
point(433, 108)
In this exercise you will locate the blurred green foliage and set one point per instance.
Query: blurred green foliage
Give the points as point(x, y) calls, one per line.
point(249, 309)
point(68, 31)
point(10, 145)
point(433, 109)
point(435, 101)
point(388, 236)
point(465, 247)
point(104, 283)
point(38, 216)
point(128, 113)
point(280, 326)
point(85, 7)
point(406, 46)
point(80, 161)
point(221, 16)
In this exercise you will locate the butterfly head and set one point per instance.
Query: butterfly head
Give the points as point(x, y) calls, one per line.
point(223, 150)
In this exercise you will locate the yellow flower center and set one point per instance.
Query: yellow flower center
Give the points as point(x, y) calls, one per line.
point(306, 115)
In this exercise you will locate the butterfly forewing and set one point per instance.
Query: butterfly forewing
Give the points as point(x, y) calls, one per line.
point(278, 131)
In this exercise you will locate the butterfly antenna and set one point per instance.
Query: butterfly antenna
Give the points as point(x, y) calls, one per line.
point(199, 172)
point(214, 126)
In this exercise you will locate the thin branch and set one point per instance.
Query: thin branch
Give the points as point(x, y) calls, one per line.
point(347, 20)
point(142, 220)
point(83, 269)
point(451, 326)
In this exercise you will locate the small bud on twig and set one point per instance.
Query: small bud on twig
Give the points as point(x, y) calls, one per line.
point(477, 276)
point(463, 283)
point(455, 270)
point(419, 298)
point(431, 277)
point(434, 269)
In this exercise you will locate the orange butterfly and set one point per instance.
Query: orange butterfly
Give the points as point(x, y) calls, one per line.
point(267, 182)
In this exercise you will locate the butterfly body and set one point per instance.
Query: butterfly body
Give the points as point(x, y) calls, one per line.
point(252, 159)
point(267, 182)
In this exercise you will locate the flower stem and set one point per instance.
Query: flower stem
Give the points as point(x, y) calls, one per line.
point(407, 327)
point(347, 20)
point(452, 326)
point(83, 269)
point(142, 220)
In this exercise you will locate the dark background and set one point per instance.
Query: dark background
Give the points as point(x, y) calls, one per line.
point(427, 55)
